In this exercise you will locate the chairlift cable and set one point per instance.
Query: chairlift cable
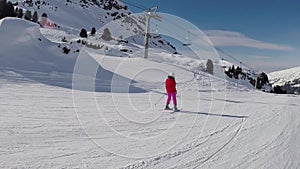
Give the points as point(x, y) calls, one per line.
point(232, 57)
point(135, 5)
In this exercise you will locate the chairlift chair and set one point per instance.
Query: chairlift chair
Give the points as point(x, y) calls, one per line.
point(189, 43)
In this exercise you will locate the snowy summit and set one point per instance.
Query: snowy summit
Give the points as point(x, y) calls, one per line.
point(288, 79)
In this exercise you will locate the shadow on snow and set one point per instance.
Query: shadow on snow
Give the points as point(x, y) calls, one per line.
point(96, 79)
point(214, 114)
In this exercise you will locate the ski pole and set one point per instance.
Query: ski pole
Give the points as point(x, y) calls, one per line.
point(159, 100)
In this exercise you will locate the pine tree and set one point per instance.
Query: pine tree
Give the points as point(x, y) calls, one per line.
point(232, 69)
point(93, 31)
point(83, 33)
point(20, 13)
point(44, 15)
point(35, 17)
point(16, 10)
point(28, 15)
point(106, 35)
point(229, 69)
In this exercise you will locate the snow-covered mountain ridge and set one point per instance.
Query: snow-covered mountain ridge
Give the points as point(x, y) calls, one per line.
point(77, 14)
point(288, 79)
point(73, 15)
point(285, 76)
point(246, 76)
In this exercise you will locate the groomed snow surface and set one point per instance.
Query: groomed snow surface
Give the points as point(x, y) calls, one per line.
point(53, 118)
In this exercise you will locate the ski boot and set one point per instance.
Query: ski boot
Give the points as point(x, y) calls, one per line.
point(176, 109)
point(167, 107)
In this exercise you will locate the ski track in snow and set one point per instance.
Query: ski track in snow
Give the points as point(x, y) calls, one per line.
point(40, 130)
point(187, 150)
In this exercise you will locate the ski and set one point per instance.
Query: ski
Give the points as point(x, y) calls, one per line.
point(178, 110)
point(174, 111)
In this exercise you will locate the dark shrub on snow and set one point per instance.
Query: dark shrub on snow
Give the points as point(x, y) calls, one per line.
point(83, 33)
point(93, 31)
point(66, 50)
point(278, 90)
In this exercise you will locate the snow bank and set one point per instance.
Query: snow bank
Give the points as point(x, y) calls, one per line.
point(24, 50)
point(24, 47)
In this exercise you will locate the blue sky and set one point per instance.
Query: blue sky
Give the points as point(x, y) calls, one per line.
point(264, 34)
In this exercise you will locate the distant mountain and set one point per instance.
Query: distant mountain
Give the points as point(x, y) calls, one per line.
point(288, 79)
point(78, 13)
point(246, 76)
point(71, 16)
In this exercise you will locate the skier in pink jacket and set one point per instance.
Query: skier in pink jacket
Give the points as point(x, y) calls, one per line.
point(171, 91)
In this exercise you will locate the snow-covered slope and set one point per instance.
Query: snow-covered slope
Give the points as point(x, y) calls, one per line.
point(288, 79)
point(25, 50)
point(285, 76)
point(24, 47)
point(44, 126)
point(77, 14)
point(73, 15)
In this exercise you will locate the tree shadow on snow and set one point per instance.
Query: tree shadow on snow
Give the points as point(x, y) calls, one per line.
point(230, 101)
point(61, 75)
point(214, 114)
point(102, 82)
